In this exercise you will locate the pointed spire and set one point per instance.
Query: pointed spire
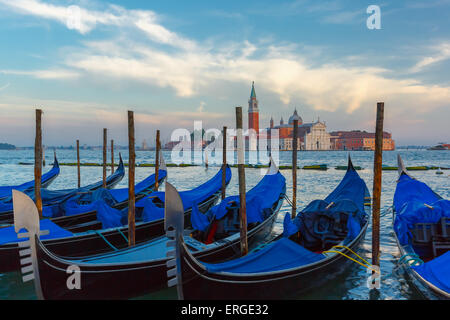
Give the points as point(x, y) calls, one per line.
point(253, 94)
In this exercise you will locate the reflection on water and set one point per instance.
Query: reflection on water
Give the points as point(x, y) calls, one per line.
point(311, 185)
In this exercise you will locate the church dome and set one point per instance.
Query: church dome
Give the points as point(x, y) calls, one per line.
point(295, 116)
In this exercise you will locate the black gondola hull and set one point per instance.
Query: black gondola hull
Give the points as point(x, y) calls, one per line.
point(127, 280)
point(199, 284)
point(425, 289)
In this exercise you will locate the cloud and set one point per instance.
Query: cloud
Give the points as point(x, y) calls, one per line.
point(4, 86)
point(201, 108)
point(192, 68)
point(344, 17)
point(85, 20)
point(44, 74)
point(441, 52)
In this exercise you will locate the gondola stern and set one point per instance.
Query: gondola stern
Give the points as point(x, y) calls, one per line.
point(174, 226)
point(350, 166)
point(121, 166)
point(55, 160)
point(162, 165)
point(26, 216)
point(273, 168)
point(401, 167)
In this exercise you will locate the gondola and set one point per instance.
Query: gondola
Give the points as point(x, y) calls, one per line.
point(421, 220)
point(310, 252)
point(52, 199)
point(46, 180)
point(84, 235)
point(141, 269)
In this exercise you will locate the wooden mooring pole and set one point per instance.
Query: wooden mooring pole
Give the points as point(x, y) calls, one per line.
point(38, 162)
point(78, 164)
point(43, 156)
point(294, 169)
point(241, 171)
point(377, 172)
point(224, 161)
point(157, 160)
point(105, 143)
point(131, 167)
point(112, 156)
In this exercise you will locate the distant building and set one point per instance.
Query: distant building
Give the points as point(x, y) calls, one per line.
point(253, 111)
point(359, 140)
point(311, 136)
point(144, 145)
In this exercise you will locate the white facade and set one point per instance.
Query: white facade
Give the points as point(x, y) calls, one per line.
point(317, 138)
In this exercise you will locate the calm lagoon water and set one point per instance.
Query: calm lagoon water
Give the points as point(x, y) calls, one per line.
point(311, 185)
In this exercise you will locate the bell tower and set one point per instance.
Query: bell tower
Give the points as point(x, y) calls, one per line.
point(253, 111)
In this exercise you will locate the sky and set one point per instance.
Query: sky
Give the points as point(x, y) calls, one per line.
point(85, 63)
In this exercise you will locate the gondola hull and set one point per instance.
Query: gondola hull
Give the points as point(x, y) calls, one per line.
point(270, 285)
point(425, 288)
point(419, 284)
point(126, 280)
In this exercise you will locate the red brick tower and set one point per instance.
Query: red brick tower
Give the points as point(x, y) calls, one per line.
point(253, 111)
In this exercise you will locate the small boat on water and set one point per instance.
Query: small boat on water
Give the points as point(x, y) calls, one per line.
point(421, 221)
point(46, 180)
point(52, 199)
point(84, 234)
point(141, 269)
point(313, 249)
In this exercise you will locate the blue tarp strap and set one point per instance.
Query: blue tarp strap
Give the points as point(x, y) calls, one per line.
point(120, 231)
point(103, 237)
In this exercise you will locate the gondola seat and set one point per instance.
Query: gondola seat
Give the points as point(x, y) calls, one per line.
point(331, 229)
point(441, 241)
point(431, 239)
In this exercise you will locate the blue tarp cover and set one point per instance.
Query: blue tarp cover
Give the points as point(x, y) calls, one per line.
point(110, 217)
point(92, 200)
point(349, 196)
point(279, 255)
point(437, 271)
point(190, 198)
point(121, 195)
point(9, 235)
point(409, 202)
point(409, 189)
point(260, 197)
point(416, 212)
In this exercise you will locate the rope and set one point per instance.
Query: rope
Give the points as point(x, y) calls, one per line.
point(120, 231)
point(412, 257)
point(386, 212)
point(288, 200)
point(366, 265)
point(107, 242)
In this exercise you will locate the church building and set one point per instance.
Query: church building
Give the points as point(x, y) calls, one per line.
point(311, 136)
